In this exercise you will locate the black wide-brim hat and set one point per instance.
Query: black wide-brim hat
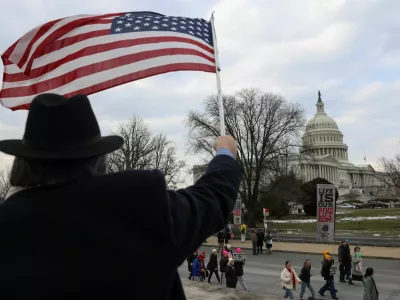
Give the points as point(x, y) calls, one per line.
point(60, 128)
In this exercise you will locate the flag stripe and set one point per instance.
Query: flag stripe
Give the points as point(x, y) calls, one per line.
point(58, 30)
point(97, 53)
point(132, 77)
point(157, 37)
point(194, 63)
point(25, 43)
point(56, 82)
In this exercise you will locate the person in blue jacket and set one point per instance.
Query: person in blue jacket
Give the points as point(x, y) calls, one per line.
point(198, 267)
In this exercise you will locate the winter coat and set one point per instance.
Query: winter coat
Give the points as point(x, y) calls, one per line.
point(239, 268)
point(221, 237)
point(305, 274)
point(254, 238)
point(370, 290)
point(190, 261)
point(223, 263)
point(213, 263)
point(344, 254)
point(260, 238)
point(231, 277)
point(198, 266)
point(326, 269)
point(287, 281)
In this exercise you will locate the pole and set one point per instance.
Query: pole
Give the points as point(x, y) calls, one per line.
point(217, 72)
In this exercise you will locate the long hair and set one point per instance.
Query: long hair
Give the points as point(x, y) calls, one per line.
point(305, 264)
point(368, 272)
point(35, 172)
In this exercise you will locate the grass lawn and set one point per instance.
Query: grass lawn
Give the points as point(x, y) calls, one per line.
point(384, 226)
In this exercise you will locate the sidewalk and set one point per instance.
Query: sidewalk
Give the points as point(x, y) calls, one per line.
point(367, 251)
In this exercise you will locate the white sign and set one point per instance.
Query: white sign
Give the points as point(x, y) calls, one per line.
point(238, 204)
point(237, 220)
point(266, 212)
point(239, 256)
point(326, 212)
point(333, 270)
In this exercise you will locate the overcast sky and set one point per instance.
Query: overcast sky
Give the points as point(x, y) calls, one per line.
point(350, 50)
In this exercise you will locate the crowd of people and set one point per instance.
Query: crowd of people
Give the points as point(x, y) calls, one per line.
point(350, 269)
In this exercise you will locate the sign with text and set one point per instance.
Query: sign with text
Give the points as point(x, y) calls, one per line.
point(266, 212)
point(239, 256)
point(326, 212)
point(238, 204)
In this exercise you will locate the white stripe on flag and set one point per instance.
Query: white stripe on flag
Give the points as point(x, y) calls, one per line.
point(88, 60)
point(100, 77)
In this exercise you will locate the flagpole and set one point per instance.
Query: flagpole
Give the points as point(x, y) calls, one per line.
point(217, 72)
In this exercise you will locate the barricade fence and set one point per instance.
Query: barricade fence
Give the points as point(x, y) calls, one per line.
point(357, 237)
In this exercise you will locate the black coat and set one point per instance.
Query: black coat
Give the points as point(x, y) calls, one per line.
point(213, 263)
point(260, 238)
point(95, 238)
point(326, 269)
point(239, 268)
point(305, 274)
point(221, 237)
point(223, 263)
point(344, 254)
point(231, 277)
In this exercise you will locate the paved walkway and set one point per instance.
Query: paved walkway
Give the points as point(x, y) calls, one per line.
point(367, 251)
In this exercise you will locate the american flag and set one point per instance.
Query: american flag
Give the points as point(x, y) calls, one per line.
point(86, 54)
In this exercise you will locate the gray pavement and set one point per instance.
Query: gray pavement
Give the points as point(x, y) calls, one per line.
point(262, 275)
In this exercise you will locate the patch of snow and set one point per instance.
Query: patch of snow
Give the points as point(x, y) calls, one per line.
point(340, 219)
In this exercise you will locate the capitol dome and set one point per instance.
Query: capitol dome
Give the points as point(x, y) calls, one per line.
point(322, 136)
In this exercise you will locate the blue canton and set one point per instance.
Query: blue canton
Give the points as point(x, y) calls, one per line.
point(147, 21)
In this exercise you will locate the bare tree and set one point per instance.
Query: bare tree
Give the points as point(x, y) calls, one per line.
point(266, 126)
point(143, 151)
point(390, 171)
point(4, 184)
point(165, 159)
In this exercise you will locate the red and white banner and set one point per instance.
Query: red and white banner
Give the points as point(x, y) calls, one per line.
point(326, 204)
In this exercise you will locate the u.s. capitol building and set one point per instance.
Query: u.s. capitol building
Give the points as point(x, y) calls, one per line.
point(324, 154)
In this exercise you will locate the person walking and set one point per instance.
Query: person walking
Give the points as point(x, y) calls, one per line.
point(71, 229)
point(220, 239)
point(260, 241)
point(190, 261)
point(327, 272)
point(305, 276)
point(254, 241)
point(289, 279)
point(243, 232)
point(239, 270)
point(227, 233)
point(370, 290)
point(230, 274)
point(212, 266)
point(223, 263)
point(199, 270)
point(345, 262)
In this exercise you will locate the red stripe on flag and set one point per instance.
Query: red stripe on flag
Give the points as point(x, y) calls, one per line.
point(40, 33)
point(134, 76)
point(99, 49)
point(64, 79)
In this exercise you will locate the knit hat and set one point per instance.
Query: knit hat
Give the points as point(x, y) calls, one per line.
point(238, 250)
point(202, 256)
point(230, 260)
point(214, 250)
point(228, 246)
point(225, 252)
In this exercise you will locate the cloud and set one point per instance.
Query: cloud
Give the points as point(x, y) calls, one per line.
point(348, 49)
